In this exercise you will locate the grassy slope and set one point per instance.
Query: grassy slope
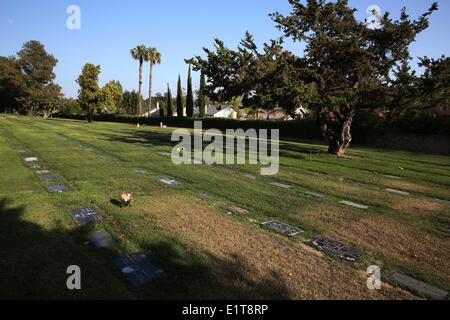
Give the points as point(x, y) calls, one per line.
point(195, 242)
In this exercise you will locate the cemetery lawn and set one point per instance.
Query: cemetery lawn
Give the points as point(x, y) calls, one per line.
point(205, 252)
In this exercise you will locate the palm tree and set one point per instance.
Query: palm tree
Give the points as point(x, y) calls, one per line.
point(153, 57)
point(139, 53)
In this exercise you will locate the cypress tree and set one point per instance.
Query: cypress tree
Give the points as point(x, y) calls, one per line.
point(201, 96)
point(161, 110)
point(169, 102)
point(190, 96)
point(179, 99)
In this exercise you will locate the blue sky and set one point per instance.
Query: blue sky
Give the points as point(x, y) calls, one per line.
point(178, 28)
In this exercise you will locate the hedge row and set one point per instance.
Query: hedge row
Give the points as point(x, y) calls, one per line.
point(366, 128)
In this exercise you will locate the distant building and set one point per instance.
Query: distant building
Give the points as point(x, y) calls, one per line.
point(280, 114)
point(218, 111)
point(154, 112)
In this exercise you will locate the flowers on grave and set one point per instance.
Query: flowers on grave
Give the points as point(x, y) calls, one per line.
point(125, 199)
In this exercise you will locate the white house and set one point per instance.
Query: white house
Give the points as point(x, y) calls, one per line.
point(219, 111)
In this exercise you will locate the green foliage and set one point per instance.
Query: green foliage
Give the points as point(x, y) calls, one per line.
point(36, 64)
point(89, 94)
point(26, 82)
point(346, 67)
point(434, 85)
point(128, 103)
point(111, 96)
point(169, 103)
point(70, 106)
point(189, 96)
point(12, 84)
point(201, 96)
point(180, 108)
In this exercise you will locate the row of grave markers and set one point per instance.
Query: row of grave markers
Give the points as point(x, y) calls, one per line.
point(137, 267)
point(140, 270)
point(316, 194)
point(325, 244)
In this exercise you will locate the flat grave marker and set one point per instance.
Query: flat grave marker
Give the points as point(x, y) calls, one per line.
point(30, 159)
point(42, 171)
point(283, 228)
point(142, 171)
point(314, 194)
point(335, 248)
point(354, 205)
point(101, 239)
point(250, 176)
point(280, 185)
point(226, 170)
point(442, 201)
point(57, 188)
point(316, 173)
point(34, 165)
point(403, 193)
point(48, 178)
point(418, 286)
point(391, 176)
point(85, 215)
point(169, 181)
point(165, 153)
point(138, 268)
point(236, 209)
point(205, 196)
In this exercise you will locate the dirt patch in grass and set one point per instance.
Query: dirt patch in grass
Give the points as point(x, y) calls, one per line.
point(263, 257)
point(399, 242)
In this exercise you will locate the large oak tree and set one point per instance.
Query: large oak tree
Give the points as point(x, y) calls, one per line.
point(352, 62)
point(346, 66)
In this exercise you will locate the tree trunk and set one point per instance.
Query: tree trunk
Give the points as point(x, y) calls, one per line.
point(89, 114)
point(140, 88)
point(150, 89)
point(338, 136)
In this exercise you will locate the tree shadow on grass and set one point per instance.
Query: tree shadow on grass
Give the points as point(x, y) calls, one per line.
point(189, 274)
point(149, 139)
point(142, 138)
point(34, 260)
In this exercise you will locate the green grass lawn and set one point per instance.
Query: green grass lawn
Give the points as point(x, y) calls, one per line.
point(204, 251)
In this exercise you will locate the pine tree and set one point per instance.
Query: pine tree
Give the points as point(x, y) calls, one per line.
point(201, 96)
point(190, 96)
point(169, 102)
point(179, 99)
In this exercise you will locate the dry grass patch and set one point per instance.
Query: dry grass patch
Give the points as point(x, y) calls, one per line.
point(420, 206)
point(324, 216)
point(262, 257)
point(399, 242)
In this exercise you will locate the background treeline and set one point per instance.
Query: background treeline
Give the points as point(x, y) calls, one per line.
point(365, 124)
point(356, 80)
point(348, 67)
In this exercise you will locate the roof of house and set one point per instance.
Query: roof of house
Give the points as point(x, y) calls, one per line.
point(212, 110)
